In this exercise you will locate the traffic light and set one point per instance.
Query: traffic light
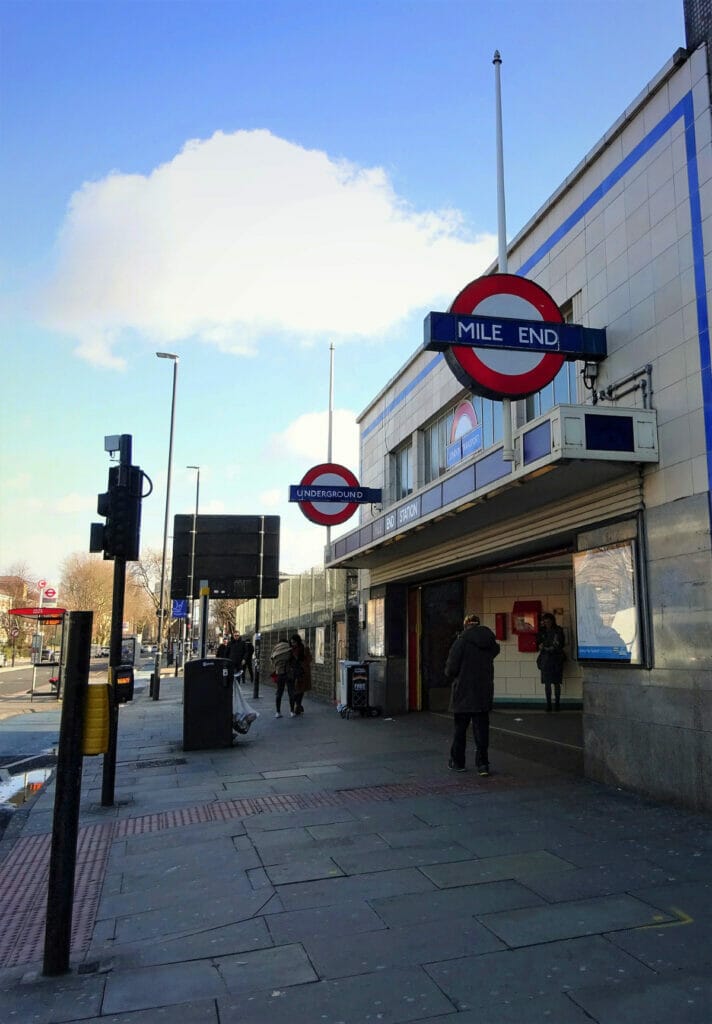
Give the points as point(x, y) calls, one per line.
point(124, 525)
point(121, 506)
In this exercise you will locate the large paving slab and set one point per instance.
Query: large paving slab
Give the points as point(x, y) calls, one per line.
point(415, 910)
point(549, 923)
point(493, 869)
point(374, 886)
point(386, 997)
point(495, 978)
point(330, 922)
point(683, 999)
point(161, 985)
point(38, 1000)
point(400, 947)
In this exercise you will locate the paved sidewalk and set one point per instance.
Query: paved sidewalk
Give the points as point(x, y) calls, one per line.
point(331, 870)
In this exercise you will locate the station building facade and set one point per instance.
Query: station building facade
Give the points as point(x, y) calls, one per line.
point(604, 515)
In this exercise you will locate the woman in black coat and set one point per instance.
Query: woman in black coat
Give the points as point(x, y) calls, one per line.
point(551, 657)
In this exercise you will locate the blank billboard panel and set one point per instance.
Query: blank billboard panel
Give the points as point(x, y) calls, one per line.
point(227, 555)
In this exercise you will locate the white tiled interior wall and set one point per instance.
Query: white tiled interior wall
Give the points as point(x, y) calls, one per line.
point(516, 675)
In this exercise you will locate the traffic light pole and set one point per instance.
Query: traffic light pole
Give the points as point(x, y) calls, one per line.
point(108, 778)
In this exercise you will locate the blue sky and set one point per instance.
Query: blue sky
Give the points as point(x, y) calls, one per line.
point(243, 183)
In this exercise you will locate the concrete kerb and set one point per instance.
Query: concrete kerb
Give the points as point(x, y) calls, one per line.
point(324, 869)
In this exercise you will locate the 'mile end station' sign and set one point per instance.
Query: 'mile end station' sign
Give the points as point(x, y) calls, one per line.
point(504, 337)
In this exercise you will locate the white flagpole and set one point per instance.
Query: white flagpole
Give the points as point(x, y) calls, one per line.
point(508, 450)
point(331, 426)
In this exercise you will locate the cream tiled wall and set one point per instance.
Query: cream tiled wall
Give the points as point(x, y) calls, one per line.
point(516, 674)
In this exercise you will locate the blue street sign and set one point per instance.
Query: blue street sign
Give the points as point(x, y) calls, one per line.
point(179, 608)
point(336, 493)
point(576, 342)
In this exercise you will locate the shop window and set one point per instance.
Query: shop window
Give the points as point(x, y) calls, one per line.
point(375, 627)
point(436, 436)
point(403, 472)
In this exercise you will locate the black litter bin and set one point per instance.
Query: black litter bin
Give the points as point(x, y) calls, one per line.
point(358, 687)
point(207, 704)
point(357, 691)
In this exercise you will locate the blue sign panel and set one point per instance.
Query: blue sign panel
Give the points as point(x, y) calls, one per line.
point(335, 492)
point(454, 452)
point(604, 652)
point(471, 442)
point(179, 608)
point(402, 516)
point(576, 342)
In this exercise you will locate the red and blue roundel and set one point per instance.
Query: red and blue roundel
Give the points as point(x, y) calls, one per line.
point(327, 513)
point(504, 373)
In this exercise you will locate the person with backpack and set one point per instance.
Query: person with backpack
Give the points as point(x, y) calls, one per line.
point(279, 659)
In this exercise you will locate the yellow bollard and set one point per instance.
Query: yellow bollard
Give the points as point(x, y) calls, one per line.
point(95, 739)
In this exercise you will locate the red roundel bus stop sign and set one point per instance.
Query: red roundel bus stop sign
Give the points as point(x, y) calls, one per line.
point(328, 477)
point(498, 372)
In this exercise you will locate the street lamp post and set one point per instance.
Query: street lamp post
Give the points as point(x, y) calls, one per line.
point(192, 552)
point(156, 688)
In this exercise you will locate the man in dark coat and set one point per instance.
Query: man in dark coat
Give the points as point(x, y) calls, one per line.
point(470, 666)
point(236, 652)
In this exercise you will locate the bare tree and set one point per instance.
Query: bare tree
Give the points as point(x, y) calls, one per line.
point(87, 585)
point(20, 586)
point(145, 576)
point(223, 612)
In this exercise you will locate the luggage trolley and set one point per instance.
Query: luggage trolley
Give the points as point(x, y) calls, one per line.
point(356, 698)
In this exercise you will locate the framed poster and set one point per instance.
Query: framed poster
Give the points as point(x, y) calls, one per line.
point(319, 645)
point(607, 605)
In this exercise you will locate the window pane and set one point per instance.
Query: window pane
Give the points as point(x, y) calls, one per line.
point(497, 422)
point(561, 386)
point(434, 461)
point(546, 398)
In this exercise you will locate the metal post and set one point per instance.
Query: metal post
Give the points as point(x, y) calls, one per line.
point(258, 604)
point(330, 429)
point(508, 450)
point(156, 680)
point(108, 776)
point(65, 825)
point(191, 596)
point(204, 612)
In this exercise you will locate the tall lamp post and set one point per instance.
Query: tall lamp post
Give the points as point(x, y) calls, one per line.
point(156, 688)
point(192, 553)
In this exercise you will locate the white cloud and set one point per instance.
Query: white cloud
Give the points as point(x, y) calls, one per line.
point(246, 234)
point(272, 498)
point(73, 503)
point(307, 438)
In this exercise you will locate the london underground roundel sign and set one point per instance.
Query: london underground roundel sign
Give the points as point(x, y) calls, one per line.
point(497, 372)
point(324, 479)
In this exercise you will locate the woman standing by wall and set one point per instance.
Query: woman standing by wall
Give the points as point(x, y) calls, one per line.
point(299, 671)
point(551, 657)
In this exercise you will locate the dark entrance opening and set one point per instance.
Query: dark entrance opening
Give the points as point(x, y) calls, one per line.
point(442, 610)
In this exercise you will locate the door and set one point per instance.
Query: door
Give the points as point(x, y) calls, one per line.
point(442, 612)
point(340, 653)
point(414, 649)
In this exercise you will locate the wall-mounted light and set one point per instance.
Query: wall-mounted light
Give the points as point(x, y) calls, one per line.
point(589, 375)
